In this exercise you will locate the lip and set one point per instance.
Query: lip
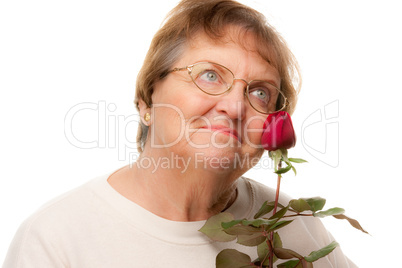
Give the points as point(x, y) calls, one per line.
point(224, 130)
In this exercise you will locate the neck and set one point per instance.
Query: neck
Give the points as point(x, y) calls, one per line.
point(175, 188)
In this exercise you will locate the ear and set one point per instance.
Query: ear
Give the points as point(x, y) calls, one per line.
point(142, 106)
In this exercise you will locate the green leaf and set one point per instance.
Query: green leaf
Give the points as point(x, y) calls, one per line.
point(299, 205)
point(276, 156)
point(289, 264)
point(258, 222)
point(329, 212)
point(285, 254)
point(315, 255)
point(265, 209)
point(279, 225)
point(242, 230)
point(305, 264)
point(231, 258)
point(214, 230)
point(352, 222)
point(297, 160)
point(280, 213)
point(263, 251)
point(229, 224)
point(294, 170)
point(277, 240)
point(285, 157)
point(251, 240)
point(284, 153)
point(316, 203)
point(283, 170)
point(296, 264)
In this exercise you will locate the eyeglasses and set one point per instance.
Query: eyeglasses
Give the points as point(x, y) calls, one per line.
point(215, 79)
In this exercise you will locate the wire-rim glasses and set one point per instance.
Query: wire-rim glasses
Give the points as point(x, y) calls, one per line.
point(216, 79)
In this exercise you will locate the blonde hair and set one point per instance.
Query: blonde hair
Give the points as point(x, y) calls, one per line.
point(212, 17)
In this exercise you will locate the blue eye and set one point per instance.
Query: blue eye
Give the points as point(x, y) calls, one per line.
point(261, 94)
point(209, 76)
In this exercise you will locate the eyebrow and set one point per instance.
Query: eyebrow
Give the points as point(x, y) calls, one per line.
point(271, 81)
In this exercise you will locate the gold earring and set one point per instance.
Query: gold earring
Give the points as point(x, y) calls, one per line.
point(147, 117)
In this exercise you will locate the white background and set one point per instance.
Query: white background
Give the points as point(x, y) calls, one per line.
point(57, 54)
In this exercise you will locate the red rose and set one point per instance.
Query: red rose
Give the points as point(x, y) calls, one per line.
point(278, 132)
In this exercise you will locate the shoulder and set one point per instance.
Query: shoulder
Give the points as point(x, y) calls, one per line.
point(262, 193)
point(73, 201)
point(35, 243)
point(61, 212)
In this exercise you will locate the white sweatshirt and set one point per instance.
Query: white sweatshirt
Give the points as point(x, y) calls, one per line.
point(95, 226)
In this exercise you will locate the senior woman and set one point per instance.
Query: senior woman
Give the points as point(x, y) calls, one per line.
point(213, 73)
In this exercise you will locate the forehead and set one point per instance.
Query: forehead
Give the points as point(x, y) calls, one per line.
point(238, 50)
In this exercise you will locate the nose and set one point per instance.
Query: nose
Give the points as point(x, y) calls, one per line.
point(233, 101)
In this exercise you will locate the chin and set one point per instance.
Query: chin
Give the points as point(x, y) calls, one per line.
point(214, 140)
point(226, 159)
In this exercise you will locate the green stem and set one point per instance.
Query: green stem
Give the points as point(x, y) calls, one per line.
point(270, 249)
point(278, 186)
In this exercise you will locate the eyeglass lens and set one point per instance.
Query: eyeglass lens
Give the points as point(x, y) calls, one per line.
point(215, 79)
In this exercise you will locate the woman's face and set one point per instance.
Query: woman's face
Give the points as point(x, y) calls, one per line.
point(212, 131)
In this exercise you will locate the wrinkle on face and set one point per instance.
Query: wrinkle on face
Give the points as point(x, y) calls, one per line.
point(197, 107)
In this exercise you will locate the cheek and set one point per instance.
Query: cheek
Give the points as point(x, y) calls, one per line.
point(171, 116)
point(187, 100)
point(253, 131)
point(168, 123)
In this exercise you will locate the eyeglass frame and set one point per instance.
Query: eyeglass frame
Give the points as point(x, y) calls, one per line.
point(189, 69)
